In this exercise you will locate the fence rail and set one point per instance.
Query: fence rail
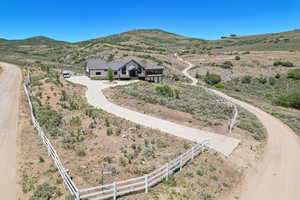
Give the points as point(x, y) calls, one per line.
point(119, 188)
point(51, 151)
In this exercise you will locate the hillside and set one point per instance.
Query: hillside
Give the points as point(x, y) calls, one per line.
point(146, 45)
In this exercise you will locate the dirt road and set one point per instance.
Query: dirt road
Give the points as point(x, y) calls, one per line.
point(277, 174)
point(10, 80)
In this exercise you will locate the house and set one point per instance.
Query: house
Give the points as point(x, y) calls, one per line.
point(97, 68)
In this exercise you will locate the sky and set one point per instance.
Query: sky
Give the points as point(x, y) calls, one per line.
point(80, 20)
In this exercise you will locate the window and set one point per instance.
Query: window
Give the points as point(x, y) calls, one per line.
point(115, 73)
point(124, 70)
point(98, 73)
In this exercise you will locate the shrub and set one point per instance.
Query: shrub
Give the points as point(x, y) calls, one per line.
point(44, 192)
point(166, 90)
point(291, 100)
point(277, 76)
point(227, 65)
point(109, 131)
point(246, 52)
point(237, 58)
point(272, 81)
point(212, 79)
point(294, 74)
point(246, 79)
point(80, 153)
point(283, 63)
point(171, 181)
point(262, 80)
point(161, 144)
point(220, 86)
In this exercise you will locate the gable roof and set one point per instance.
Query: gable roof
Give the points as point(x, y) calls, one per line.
point(116, 65)
point(101, 64)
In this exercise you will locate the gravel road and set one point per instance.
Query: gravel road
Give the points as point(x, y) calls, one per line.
point(10, 80)
point(277, 175)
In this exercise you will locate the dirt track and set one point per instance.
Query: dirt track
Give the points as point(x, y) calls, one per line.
point(277, 175)
point(9, 105)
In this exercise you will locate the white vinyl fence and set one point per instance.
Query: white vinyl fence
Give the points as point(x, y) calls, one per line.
point(119, 188)
point(51, 151)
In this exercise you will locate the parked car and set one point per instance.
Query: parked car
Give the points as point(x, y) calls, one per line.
point(66, 74)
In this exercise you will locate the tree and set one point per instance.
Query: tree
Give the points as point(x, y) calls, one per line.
point(110, 75)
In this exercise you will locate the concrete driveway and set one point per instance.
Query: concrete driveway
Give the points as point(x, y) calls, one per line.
point(95, 97)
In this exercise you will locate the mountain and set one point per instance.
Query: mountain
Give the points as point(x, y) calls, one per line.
point(150, 44)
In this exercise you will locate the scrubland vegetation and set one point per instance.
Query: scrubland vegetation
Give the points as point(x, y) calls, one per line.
point(78, 130)
point(202, 105)
point(271, 93)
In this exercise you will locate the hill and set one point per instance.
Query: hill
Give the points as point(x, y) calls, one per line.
point(151, 45)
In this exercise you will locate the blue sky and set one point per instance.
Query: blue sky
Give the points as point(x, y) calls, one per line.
point(84, 19)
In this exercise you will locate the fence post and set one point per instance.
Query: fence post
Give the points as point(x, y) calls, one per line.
point(167, 177)
point(181, 162)
point(49, 152)
point(115, 191)
point(146, 183)
point(193, 152)
point(77, 195)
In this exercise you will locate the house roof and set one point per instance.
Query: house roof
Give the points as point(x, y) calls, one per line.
point(153, 67)
point(101, 64)
point(116, 65)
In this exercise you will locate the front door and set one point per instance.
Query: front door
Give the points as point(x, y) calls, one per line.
point(132, 73)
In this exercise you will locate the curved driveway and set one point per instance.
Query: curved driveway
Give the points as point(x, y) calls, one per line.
point(277, 175)
point(95, 97)
point(10, 80)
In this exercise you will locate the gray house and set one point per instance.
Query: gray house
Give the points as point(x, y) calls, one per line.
point(97, 68)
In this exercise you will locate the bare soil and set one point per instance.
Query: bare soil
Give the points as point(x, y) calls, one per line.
point(256, 64)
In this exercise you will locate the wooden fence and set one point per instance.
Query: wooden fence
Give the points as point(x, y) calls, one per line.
point(119, 188)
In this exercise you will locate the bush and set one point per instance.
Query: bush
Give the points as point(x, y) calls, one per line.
point(220, 86)
point(44, 192)
point(246, 79)
point(283, 63)
point(262, 80)
point(212, 79)
point(226, 65)
point(166, 90)
point(294, 74)
point(109, 132)
point(277, 76)
point(272, 81)
point(237, 58)
point(291, 100)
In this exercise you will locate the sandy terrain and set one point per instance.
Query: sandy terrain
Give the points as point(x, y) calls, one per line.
point(9, 103)
point(276, 176)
